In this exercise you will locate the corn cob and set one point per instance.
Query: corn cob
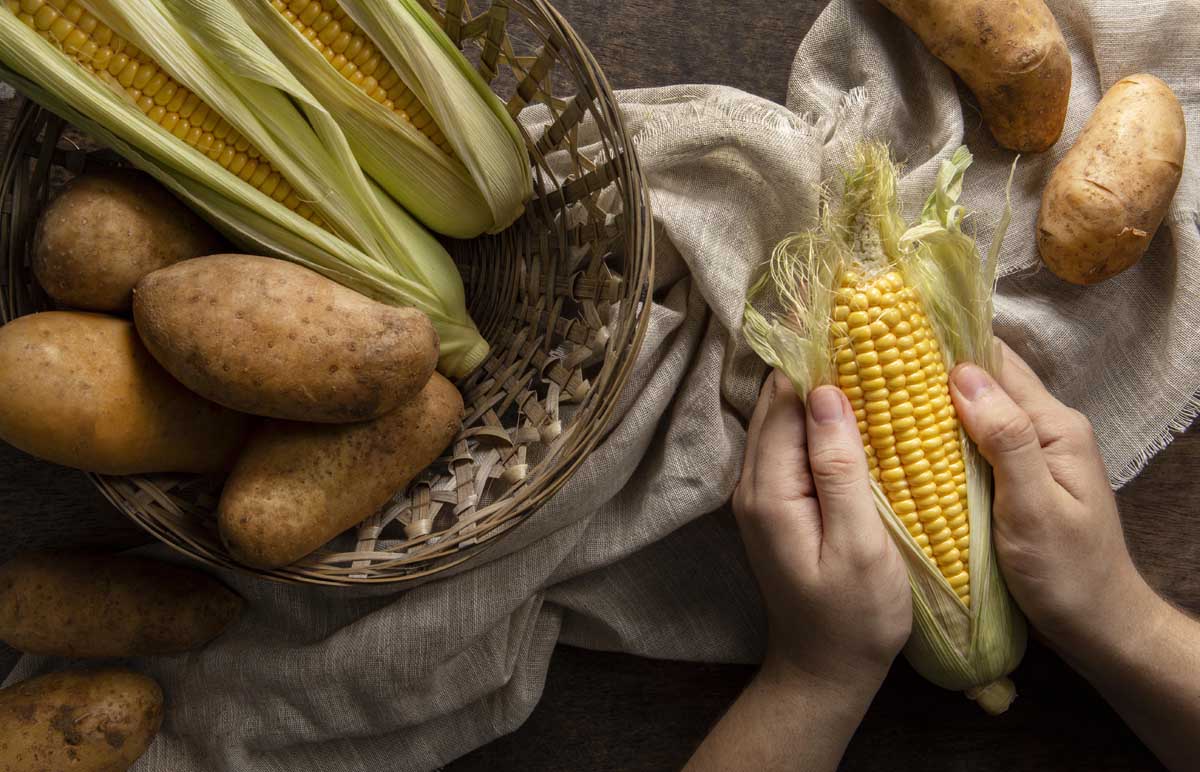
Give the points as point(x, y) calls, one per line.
point(891, 369)
point(883, 309)
point(93, 45)
point(421, 121)
point(349, 51)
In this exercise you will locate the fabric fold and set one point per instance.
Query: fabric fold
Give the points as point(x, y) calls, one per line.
point(637, 552)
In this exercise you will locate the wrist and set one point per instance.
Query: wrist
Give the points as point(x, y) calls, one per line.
point(1120, 634)
point(850, 687)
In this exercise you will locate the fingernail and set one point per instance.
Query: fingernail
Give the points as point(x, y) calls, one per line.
point(825, 403)
point(971, 381)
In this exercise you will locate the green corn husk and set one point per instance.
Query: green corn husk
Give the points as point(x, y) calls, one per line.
point(787, 322)
point(483, 188)
point(368, 242)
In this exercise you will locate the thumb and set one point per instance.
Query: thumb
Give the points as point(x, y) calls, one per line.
point(1004, 434)
point(839, 472)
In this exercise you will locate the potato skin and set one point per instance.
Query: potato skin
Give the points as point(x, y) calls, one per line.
point(68, 604)
point(297, 486)
point(1107, 197)
point(1011, 55)
point(272, 338)
point(105, 231)
point(79, 389)
point(83, 721)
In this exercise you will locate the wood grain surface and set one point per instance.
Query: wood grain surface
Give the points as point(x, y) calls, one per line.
point(605, 711)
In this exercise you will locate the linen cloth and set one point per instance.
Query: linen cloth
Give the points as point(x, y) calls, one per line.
point(636, 553)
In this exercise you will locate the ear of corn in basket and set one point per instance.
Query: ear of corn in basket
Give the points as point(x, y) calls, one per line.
point(185, 90)
point(884, 311)
point(420, 119)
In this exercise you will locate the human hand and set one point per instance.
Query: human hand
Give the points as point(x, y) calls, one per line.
point(835, 585)
point(1055, 525)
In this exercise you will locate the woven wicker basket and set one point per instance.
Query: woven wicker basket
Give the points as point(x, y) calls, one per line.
point(562, 296)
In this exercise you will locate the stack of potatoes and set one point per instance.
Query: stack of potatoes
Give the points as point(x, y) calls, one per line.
point(317, 402)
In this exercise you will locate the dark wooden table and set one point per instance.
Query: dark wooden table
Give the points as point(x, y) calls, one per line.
point(614, 712)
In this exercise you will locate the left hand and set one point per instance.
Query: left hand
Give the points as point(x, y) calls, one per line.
point(834, 583)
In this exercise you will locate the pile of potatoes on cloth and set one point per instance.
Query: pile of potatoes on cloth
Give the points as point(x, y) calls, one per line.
point(170, 355)
point(87, 606)
point(1106, 198)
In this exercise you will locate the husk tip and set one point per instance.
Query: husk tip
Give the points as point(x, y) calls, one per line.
point(996, 697)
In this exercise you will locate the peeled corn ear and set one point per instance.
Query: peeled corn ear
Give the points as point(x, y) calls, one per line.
point(890, 366)
point(884, 311)
point(260, 157)
point(420, 119)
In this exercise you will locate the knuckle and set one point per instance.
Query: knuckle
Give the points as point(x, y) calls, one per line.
point(1081, 426)
point(834, 467)
point(870, 554)
point(1010, 432)
point(768, 516)
point(750, 507)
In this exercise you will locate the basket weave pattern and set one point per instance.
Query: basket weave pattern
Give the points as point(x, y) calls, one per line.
point(562, 296)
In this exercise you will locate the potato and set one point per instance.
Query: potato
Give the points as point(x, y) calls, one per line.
point(273, 338)
point(297, 486)
point(1011, 55)
point(1109, 194)
point(65, 604)
point(79, 389)
point(108, 229)
point(82, 721)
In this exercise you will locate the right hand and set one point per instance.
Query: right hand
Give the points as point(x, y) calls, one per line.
point(1055, 525)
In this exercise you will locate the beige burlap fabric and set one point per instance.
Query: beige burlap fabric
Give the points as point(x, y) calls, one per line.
point(628, 556)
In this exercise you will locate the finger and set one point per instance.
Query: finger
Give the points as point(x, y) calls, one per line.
point(1066, 436)
point(1019, 380)
point(1011, 357)
point(839, 472)
point(781, 457)
point(765, 395)
point(1051, 418)
point(1004, 434)
point(777, 511)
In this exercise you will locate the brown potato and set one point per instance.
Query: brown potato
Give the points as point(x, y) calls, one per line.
point(1011, 55)
point(66, 604)
point(1108, 196)
point(108, 229)
point(83, 721)
point(273, 338)
point(79, 389)
point(297, 486)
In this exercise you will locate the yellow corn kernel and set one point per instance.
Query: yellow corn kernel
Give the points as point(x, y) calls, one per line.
point(80, 35)
point(891, 367)
point(335, 35)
